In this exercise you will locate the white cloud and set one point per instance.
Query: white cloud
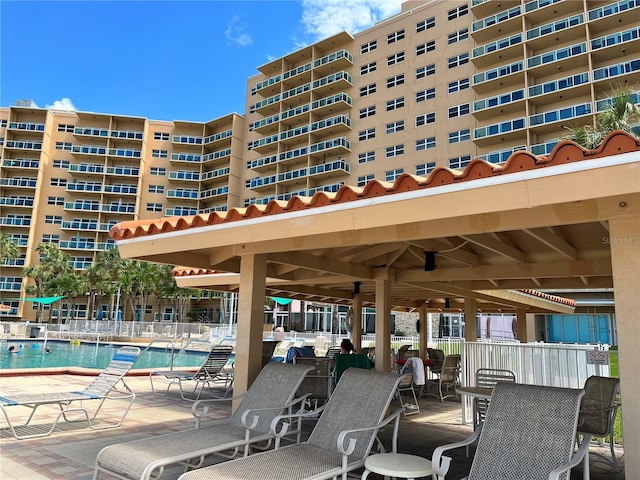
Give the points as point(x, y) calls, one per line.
point(236, 34)
point(323, 18)
point(62, 104)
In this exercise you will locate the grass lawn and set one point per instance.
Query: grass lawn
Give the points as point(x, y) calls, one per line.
point(613, 366)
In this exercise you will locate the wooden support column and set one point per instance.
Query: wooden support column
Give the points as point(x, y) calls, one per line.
point(253, 272)
point(356, 332)
point(470, 319)
point(422, 334)
point(624, 241)
point(525, 331)
point(383, 324)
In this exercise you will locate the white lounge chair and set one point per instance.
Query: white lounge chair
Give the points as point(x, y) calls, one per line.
point(109, 385)
point(270, 395)
point(528, 432)
point(210, 373)
point(339, 443)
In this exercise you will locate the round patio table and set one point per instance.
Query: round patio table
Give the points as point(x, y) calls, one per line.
point(397, 465)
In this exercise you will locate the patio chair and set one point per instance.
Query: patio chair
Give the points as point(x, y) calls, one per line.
point(271, 394)
point(210, 373)
point(109, 385)
point(488, 378)
point(437, 358)
point(339, 443)
point(447, 379)
point(529, 432)
point(319, 382)
point(332, 351)
point(598, 412)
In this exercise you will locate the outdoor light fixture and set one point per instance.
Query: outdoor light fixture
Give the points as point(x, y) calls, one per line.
point(356, 288)
point(447, 303)
point(429, 261)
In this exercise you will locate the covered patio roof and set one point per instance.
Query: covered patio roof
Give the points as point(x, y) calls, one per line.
point(494, 234)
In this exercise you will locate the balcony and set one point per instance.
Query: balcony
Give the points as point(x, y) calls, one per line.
point(26, 126)
point(184, 176)
point(264, 144)
point(185, 157)
point(573, 58)
point(338, 123)
point(547, 122)
point(265, 126)
point(125, 153)
point(501, 77)
point(337, 81)
point(90, 169)
point(220, 173)
point(187, 140)
point(21, 163)
point(82, 206)
point(261, 183)
point(498, 52)
point(609, 46)
point(119, 207)
point(332, 146)
point(132, 172)
point(218, 137)
point(333, 62)
point(19, 182)
point(90, 150)
point(260, 164)
point(214, 192)
point(498, 24)
point(214, 157)
point(127, 134)
point(16, 221)
point(503, 104)
point(183, 193)
point(27, 145)
point(613, 16)
point(79, 224)
point(181, 212)
point(578, 84)
point(121, 189)
point(84, 187)
point(17, 201)
point(91, 132)
point(331, 169)
point(510, 130)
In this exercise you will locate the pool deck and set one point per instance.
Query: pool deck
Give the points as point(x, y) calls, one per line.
point(69, 453)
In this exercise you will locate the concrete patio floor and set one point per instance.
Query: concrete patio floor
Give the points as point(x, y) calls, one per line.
point(69, 453)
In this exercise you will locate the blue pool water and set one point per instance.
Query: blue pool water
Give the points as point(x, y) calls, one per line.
point(63, 354)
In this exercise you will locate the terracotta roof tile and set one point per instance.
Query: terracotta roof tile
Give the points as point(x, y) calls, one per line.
point(551, 298)
point(564, 152)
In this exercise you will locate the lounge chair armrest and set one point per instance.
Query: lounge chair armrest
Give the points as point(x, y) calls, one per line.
point(203, 404)
point(254, 420)
point(280, 425)
point(440, 463)
point(580, 455)
point(346, 445)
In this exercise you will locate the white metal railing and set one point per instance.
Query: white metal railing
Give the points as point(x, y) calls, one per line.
point(537, 363)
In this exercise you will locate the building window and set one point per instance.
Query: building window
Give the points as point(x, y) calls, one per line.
point(362, 181)
point(368, 68)
point(395, 127)
point(459, 110)
point(53, 219)
point(395, 103)
point(55, 201)
point(459, 136)
point(367, 134)
point(159, 153)
point(160, 136)
point(459, 162)
point(368, 90)
point(391, 175)
point(366, 157)
point(394, 151)
point(63, 146)
point(458, 60)
point(58, 182)
point(426, 47)
point(425, 143)
point(425, 24)
point(158, 171)
point(395, 58)
point(425, 168)
point(367, 111)
point(458, 36)
point(425, 95)
point(154, 207)
point(395, 81)
point(156, 188)
point(368, 47)
point(459, 85)
point(426, 71)
point(457, 12)
point(61, 164)
point(50, 238)
point(395, 36)
point(425, 119)
point(65, 128)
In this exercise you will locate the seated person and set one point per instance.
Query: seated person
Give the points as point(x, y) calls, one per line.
point(346, 346)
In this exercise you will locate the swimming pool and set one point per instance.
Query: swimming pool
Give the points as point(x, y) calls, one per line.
point(64, 354)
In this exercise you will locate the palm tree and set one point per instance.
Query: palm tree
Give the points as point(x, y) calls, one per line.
point(8, 247)
point(622, 113)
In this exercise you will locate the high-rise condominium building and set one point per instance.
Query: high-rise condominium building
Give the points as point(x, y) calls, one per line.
point(438, 84)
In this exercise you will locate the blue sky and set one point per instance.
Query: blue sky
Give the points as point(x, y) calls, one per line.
point(164, 60)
